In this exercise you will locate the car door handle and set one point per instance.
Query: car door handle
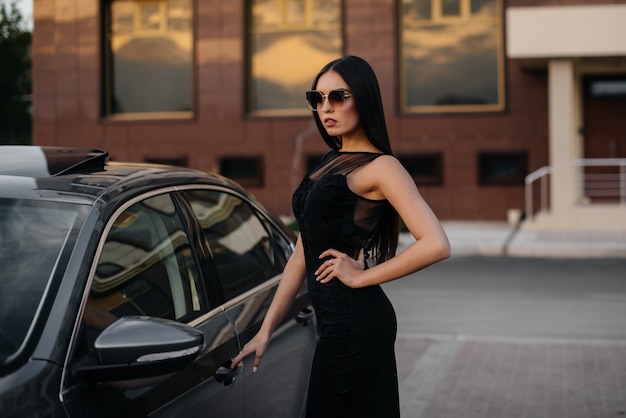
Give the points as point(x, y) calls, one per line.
point(305, 316)
point(225, 375)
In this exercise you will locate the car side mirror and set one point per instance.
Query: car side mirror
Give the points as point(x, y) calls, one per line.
point(138, 347)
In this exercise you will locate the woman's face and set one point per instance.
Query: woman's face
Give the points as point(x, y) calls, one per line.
point(342, 122)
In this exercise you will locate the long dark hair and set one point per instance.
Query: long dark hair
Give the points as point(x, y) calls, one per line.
point(363, 84)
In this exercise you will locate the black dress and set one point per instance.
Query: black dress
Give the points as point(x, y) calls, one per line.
point(354, 368)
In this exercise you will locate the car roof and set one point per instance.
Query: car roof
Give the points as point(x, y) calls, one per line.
point(33, 161)
point(69, 173)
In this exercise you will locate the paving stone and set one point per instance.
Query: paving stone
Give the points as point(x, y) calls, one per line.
point(480, 378)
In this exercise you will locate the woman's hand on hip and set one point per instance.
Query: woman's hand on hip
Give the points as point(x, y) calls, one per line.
point(340, 266)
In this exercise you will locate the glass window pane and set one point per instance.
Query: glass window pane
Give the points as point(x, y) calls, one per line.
point(179, 15)
point(452, 66)
point(415, 10)
point(242, 249)
point(450, 8)
point(502, 168)
point(291, 40)
point(149, 57)
point(283, 247)
point(147, 267)
point(150, 19)
point(426, 169)
point(485, 8)
point(296, 12)
point(123, 17)
point(247, 171)
point(33, 237)
point(607, 88)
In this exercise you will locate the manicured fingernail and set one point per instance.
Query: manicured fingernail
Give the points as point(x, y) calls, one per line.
point(254, 369)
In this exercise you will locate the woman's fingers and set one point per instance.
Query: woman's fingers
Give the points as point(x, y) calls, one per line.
point(331, 253)
point(256, 364)
point(361, 258)
point(340, 266)
point(247, 350)
point(325, 271)
point(238, 359)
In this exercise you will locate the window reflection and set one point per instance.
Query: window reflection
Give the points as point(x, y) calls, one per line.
point(33, 237)
point(146, 267)
point(123, 17)
point(179, 15)
point(150, 19)
point(241, 246)
point(291, 40)
point(452, 58)
point(296, 13)
point(149, 57)
point(450, 8)
point(487, 8)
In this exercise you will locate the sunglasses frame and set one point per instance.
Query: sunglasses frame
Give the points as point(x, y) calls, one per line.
point(332, 103)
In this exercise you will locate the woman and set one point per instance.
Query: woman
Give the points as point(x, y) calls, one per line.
point(348, 210)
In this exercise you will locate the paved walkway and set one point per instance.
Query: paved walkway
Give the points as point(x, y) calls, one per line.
point(516, 324)
point(500, 238)
point(450, 378)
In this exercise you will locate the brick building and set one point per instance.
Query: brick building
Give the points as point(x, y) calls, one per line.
point(477, 93)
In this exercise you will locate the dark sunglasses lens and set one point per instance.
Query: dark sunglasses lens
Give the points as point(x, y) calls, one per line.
point(314, 98)
point(336, 98)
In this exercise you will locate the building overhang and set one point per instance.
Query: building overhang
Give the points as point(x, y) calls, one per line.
point(535, 35)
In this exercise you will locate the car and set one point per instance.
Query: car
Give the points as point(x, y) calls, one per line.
point(126, 289)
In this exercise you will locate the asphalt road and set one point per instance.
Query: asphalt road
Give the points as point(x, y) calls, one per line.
point(512, 337)
point(508, 297)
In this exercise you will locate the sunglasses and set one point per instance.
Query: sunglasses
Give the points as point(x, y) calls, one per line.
point(336, 98)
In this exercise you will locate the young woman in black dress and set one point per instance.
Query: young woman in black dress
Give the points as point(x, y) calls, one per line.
point(348, 210)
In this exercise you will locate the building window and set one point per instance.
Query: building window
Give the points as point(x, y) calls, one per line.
point(179, 161)
point(426, 169)
point(247, 171)
point(289, 42)
point(612, 87)
point(312, 161)
point(148, 59)
point(502, 168)
point(451, 54)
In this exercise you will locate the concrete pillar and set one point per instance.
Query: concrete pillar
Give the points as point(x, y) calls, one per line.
point(563, 139)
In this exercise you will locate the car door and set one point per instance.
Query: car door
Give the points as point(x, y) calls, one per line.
point(250, 253)
point(148, 265)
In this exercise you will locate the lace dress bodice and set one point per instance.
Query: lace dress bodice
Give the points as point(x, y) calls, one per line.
point(330, 215)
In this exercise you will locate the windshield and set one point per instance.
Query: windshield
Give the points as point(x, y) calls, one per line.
point(32, 237)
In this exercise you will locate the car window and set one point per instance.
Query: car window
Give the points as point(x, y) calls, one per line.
point(33, 235)
point(283, 247)
point(243, 251)
point(146, 267)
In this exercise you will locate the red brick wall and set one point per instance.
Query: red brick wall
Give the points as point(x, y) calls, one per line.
point(67, 73)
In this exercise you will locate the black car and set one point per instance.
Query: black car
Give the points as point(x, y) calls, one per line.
point(126, 290)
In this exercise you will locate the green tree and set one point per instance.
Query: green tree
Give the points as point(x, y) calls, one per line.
point(15, 78)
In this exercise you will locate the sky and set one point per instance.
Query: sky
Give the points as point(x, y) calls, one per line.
point(25, 7)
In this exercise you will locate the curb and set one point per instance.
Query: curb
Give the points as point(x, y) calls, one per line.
point(503, 239)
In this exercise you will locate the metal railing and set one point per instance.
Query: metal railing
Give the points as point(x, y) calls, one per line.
point(604, 184)
point(541, 174)
point(600, 185)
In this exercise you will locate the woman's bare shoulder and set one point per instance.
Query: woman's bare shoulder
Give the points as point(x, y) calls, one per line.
point(387, 164)
point(376, 178)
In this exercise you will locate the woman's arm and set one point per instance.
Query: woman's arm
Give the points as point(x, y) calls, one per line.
point(386, 178)
point(290, 283)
